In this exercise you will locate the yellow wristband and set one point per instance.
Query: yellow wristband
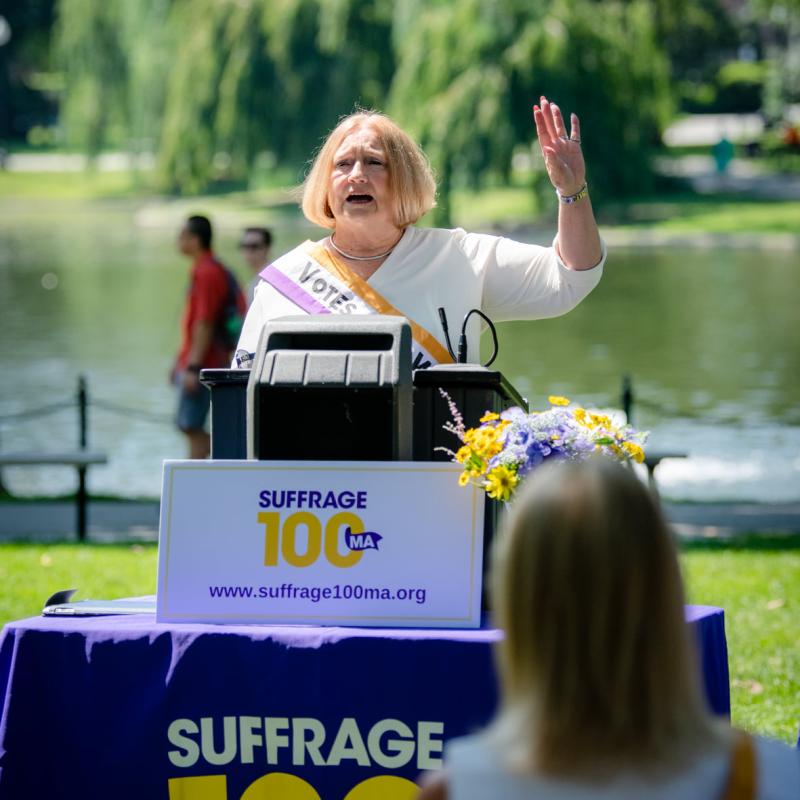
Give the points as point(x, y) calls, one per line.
point(568, 199)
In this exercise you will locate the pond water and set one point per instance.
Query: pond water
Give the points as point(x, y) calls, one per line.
point(710, 340)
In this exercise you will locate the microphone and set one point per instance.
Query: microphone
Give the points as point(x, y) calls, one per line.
point(443, 320)
point(461, 357)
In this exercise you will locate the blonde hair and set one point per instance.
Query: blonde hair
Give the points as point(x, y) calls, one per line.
point(597, 666)
point(411, 179)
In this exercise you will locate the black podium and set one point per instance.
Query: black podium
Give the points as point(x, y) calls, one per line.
point(348, 382)
point(474, 389)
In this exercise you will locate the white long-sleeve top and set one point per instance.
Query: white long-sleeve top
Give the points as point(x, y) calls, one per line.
point(433, 267)
point(475, 771)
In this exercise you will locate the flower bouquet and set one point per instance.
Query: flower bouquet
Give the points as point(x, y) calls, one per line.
point(505, 447)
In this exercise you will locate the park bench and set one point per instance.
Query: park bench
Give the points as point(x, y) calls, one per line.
point(653, 458)
point(81, 460)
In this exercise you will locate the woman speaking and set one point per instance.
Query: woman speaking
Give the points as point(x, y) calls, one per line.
point(369, 184)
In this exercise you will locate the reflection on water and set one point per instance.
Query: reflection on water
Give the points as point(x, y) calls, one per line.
point(709, 339)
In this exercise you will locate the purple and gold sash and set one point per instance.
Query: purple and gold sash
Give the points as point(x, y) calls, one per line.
point(317, 283)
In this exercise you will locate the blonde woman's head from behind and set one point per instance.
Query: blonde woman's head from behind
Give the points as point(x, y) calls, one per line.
point(596, 663)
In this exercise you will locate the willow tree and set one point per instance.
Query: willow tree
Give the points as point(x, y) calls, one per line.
point(203, 79)
point(113, 57)
point(208, 82)
point(608, 65)
point(255, 75)
point(469, 74)
point(218, 44)
point(95, 69)
point(451, 88)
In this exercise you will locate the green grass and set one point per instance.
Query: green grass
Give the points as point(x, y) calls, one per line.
point(94, 185)
point(758, 588)
point(508, 205)
point(688, 213)
point(760, 592)
point(70, 185)
point(679, 213)
point(30, 573)
point(41, 194)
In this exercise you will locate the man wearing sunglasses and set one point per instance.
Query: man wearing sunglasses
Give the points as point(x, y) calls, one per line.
point(255, 245)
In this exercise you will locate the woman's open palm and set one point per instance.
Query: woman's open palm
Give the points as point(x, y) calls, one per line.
point(562, 153)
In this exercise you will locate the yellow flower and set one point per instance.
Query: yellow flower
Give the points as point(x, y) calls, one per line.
point(488, 451)
point(489, 416)
point(556, 400)
point(463, 454)
point(469, 435)
point(500, 483)
point(635, 451)
point(463, 479)
point(580, 415)
point(485, 443)
point(599, 420)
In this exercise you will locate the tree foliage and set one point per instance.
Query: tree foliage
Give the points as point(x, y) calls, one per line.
point(215, 82)
point(267, 76)
point(24, 56)
point(89, 42)
point(467, 79)
point(210, 84)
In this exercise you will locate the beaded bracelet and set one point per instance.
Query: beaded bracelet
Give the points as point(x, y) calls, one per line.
point(573, 198)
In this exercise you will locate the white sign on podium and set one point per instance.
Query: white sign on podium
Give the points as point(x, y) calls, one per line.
point(394, 544)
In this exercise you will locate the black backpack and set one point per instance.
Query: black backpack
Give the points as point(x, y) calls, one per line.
point(231, 317)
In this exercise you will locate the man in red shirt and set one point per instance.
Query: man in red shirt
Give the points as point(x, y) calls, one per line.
point(212, 293)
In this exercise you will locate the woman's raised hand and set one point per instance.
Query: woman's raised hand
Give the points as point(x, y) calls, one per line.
point(562, 152)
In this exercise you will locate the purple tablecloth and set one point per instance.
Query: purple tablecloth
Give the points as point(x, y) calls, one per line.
point(125, 707)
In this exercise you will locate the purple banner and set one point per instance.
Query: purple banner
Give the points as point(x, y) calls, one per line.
point(290, 290)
